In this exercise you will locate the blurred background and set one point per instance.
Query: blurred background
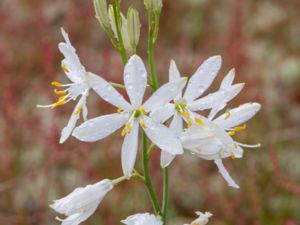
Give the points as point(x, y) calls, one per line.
point(260, 38)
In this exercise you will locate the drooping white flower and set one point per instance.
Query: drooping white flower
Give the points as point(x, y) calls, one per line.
point(80, 204)
point(142, 219)
point(79, 86)
point(203, 218)
point(132, 115)
point(186, 104)
point(213, 139)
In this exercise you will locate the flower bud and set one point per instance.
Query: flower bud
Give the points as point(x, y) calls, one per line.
point(112, 20)
point(101, 13)
point(153, 5)
point(133, 28)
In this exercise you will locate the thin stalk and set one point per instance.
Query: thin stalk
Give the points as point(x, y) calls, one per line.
point(165, 203)
point(117, 85)
point(122, 51)
point(148, 181)
point(154, 80)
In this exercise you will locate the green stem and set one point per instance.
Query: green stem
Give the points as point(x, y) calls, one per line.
point(147, 177)
point(165, 204)
point(116, 7)
point(154, 80)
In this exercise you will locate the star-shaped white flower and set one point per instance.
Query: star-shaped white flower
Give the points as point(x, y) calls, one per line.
point(203, 218)
point(186, 104)
point(133, 114)
point(80, 204)
point(79, 86)
point(213, 140)
point(142, 219)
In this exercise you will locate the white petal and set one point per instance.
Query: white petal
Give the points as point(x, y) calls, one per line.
point(67, 130)
point(228, 79)
point(142, 219)
point(177, 126)
point(135, 79)
point(225, 174)
point(164, 94)
point(107, 92)
point(203, 78)
point(162, 136)
point(162, 114)
point(207, 102)
point(174, 75)
point(129, 150)
point(237, 116)
point(76, 71)
point(99, 127)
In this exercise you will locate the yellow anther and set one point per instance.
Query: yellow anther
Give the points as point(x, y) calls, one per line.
point(123, 133)
point(189, 123)
point(240, 128)
point(78, 111)
point(56, 84)
point(62, 98)
point(60, 92)
point(186, 115)
point(199, 121)
point(232, 155)
point(143, 111)
point(60, 102)
point(231, 133)
point(120, 110)
point(128, 127)
point(65, 68)
point(143, 125)
point(228, 114)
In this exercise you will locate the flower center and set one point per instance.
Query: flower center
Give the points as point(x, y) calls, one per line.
point(181, 107)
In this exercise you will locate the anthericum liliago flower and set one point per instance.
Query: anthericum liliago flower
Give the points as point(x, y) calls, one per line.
point(186, 104)
point(79, 86)
point(203, 218)
point(80, 204)
point(213, 140)
point(134, 114)
point(142, 219)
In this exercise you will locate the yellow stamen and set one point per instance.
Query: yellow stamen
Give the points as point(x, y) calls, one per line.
point(143, 111)
point(231, 133)
point(189, 123)
point(60, 102)
point(62, 98)
point(123, 133)
point(60, 92)
point(143, 125)
point(128, 127)
point(120, 110)
point(240, 128)
point(199, 121)
point(232, 155)
point(186, 115)
point(56, 84)
point(228, 114)
point(78, 111)
point(65, 68)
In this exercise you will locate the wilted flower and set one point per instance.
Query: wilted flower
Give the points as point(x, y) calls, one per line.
point(80, 85)
point(202, 219)
point(142, 219)
point(213, 140)
point(79, 205)
point(185, 105)
point(133, 114)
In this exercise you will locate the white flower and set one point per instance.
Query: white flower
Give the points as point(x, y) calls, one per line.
point(79, 205)
point(202, 219)
point(142, 219)
point(132, 115)
point(79, 85)
point(186, 104)
point(213, 140)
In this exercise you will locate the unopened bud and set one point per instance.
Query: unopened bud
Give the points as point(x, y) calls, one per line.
point(133, 28)
point(153, 5)
point(112, 20)
point(101, 13)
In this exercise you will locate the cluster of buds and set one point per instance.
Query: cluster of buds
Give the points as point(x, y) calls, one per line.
point(154, 6)
point(125, 30)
